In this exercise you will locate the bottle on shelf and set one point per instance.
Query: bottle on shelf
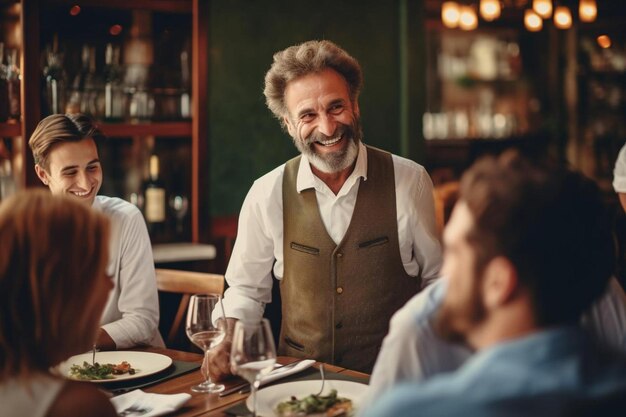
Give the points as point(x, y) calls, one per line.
point(85, 90)
point(185, 95)
point(114, 99)
point(4, 87)
point(13, 84)
point(154, 201)
point(55, 79)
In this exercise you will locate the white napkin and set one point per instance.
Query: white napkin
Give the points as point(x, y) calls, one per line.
point(286, 370)
point(147, 404)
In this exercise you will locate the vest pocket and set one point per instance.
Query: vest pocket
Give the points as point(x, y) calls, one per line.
point(305, 249)
point(294, 345)
point(374, 242)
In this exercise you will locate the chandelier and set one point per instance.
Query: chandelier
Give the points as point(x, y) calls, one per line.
point(462, 14)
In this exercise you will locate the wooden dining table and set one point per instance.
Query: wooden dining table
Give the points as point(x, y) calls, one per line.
point(201, 404)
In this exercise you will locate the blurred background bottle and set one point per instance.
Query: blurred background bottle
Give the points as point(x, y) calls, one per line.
point(4, 87)
point(154, 201)
point(13, 78)
point(114, 100)
point(55, 79)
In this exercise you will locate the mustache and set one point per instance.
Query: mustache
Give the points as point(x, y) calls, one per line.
point(316, 136)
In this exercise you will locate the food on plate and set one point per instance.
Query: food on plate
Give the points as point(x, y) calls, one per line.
point(100, 372)
point(316, 405)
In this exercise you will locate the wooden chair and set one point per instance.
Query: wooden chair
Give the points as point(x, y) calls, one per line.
point(186, 283)
point(445, 196)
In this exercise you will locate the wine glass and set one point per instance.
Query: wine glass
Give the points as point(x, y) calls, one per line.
point(205, 333)
point(253, 353)
point(179, 204)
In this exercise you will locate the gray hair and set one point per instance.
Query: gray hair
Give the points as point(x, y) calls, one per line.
point(307, 58)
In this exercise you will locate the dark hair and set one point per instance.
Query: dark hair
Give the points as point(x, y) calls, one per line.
point(550, 222)
point(61, 128)
point(307, 58)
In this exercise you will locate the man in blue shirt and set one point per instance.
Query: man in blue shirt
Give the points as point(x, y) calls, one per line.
point(528, 248)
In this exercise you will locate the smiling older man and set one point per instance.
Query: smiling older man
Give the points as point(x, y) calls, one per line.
point(349, 230)
point(66, 160)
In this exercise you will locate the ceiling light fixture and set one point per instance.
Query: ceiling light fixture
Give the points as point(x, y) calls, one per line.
point(562, 17)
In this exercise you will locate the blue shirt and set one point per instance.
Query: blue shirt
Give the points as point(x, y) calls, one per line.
point(541, 374)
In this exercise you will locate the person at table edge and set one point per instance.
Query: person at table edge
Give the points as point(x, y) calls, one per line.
point(66, 160)
point(528, 249)
point(349, 230)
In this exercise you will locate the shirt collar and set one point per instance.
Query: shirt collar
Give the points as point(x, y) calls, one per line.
point(306, 179)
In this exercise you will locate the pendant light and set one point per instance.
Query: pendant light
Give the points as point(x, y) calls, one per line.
point(543, 8)
point(490, 9)
point(450, 14)
point(587, 10)
point(562, 17)
point(532, 21)
point(468, 20)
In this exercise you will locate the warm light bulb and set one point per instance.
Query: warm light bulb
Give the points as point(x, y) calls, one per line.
point(604, 41)
point(450, 14)
point(490, 9)
point(468, 19)
point(532, 21)
point(562, 17)
point(543, 8)
point(587, 10)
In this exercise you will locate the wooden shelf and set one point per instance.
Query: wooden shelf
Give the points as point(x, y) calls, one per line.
point(175, 6)
point(160, 129)
point(10, 130)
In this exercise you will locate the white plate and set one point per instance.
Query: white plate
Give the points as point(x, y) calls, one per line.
point(268, 398)
point(144, 363)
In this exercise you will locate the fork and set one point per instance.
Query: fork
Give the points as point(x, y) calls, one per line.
point(323, 380)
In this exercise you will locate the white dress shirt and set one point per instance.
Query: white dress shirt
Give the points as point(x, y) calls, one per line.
point(413, 352)
point(259, 244)
point(131, 316)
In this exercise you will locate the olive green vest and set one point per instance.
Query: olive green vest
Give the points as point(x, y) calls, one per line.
point(337, 299)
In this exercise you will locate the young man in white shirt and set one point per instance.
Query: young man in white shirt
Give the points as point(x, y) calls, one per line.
point(66, 160)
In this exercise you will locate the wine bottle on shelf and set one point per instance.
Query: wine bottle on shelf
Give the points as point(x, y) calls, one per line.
point(113, 90)
point(154, 201)
point(55, 78)
point(4, 87)
point(13, 84)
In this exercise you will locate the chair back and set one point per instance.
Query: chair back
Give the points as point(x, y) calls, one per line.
point(445, 196)
point(186, 283)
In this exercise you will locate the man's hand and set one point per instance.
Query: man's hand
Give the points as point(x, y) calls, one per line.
point(219, 356)
point(104, 341)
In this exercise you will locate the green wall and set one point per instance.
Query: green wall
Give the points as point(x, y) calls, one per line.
point(245, 140)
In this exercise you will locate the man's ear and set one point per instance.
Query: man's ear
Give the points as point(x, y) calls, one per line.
point(355, 107)
point(42, 174)
point(499, 282)
point(290, 128)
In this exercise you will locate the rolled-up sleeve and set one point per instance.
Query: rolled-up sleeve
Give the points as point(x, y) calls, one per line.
point(259, 238)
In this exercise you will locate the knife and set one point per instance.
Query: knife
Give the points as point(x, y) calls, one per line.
point(245, 386)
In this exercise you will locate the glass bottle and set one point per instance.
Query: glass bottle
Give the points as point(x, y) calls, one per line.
point(4, 87)
point(56, 80)
point(114, 99)
point(154, 200)
point(185, 95)
point(13, 77)
point(85, 87)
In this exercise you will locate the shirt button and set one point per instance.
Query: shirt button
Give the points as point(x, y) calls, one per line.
point(339, 325)
point(339, 255)
point(339, 290)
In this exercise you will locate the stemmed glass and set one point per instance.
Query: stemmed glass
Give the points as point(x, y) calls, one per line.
point(253, 353)
point(179, 205)
point(205, 333)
